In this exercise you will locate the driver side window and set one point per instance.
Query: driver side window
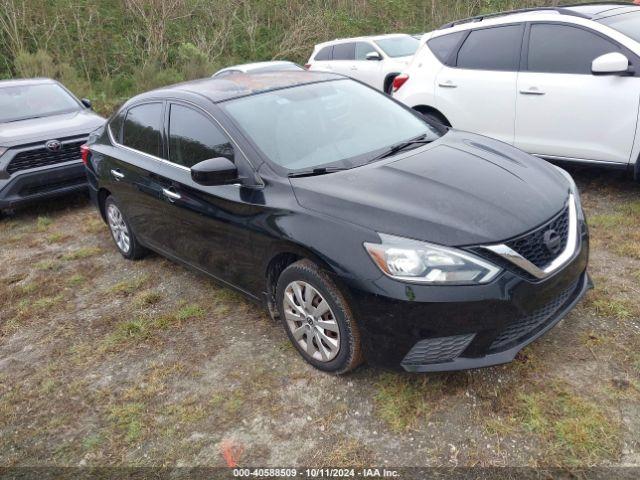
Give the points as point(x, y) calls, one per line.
point(565, 49)
point(193, 138)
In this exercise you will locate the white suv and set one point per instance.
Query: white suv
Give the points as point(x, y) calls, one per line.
point(561, 83)
point(372, 60)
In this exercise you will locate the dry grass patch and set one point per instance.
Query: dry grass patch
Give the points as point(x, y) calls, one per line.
point(82, 253)
point(572, 430)
point(402, 400)
point(130, 285)
point(344, 453)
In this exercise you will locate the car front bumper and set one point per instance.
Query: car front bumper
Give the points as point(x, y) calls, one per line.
point(436, 328)
point(41, 183)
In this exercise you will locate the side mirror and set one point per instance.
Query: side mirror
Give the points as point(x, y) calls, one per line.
point(373, 56)
point(87, 103)
point(611, 64)
point(216, 171)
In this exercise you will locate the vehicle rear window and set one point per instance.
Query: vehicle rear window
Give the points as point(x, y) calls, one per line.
point(141, 129)
point(344, 51)
point(193, 138)
point(495, 48)
point(444, 46)
point(399, 46)
point(627, 24)
point(324, 54)
point(115, 125)
point(565, 49)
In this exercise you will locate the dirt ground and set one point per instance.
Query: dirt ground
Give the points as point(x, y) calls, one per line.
point(109, 362)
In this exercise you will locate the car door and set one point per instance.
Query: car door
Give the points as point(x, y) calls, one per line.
point(368, 71)
point(563, 110)
point(476, 91)
point(209, 223)
point(138, 148)
point(343, 59)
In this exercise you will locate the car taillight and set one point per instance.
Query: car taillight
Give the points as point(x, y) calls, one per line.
point(399, 81)
point(84, 153)
point(307, 66)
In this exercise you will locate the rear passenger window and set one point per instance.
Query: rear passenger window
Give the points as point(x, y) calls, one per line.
point(564, 49)
point(495, 48)
point(324, 54)
point(193, 138)
point(142, 129)
point(362, 49)
point(444, 46)
point(115, 126)
point(344, 51)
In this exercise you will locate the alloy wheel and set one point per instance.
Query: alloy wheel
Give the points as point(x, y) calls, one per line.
point(311, 321)
point(118, 228)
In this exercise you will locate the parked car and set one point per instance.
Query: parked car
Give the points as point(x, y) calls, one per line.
point(373, 60)
point(42, 126)
point(370, 232)
point(560, 83)
point(258, 67)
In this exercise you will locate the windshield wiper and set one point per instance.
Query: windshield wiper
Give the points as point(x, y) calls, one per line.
point(393, 149)
point(316, 171)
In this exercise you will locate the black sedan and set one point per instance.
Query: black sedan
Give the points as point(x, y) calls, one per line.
point(368, 231)
point(42, 126)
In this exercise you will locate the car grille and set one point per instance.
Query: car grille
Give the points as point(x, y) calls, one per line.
point(437, 350)
point(41, 157)
point(532, 247)
point(532, 323)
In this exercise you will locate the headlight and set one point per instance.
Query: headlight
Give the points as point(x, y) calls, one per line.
point(421, 262)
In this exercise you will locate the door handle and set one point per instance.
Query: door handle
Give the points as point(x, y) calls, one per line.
point(447, 84)
point(117, 174)
point(171, 194)
point(532, 91)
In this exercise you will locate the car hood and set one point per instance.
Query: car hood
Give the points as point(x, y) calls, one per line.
point(461, 190)
point(49, 127)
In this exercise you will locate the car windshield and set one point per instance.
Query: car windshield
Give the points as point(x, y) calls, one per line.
point(399, 46)
point(20, 102)
point(627, 24)
point(339, 123)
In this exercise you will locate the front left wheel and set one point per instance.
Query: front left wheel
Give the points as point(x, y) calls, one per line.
point(317, 318)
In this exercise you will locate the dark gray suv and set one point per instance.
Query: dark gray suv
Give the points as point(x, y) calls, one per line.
point(42, 126)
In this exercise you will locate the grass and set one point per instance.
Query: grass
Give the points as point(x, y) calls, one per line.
point(148, 298)
point(612, 308)
point(127, 420)
point(129, 285)
point(43, 223)
point(147, 326)
point(402, 401)
point(82, 253)
point(572, 430)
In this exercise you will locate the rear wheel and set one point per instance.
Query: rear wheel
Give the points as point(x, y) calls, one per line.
point(317, 318)
point(121, 232)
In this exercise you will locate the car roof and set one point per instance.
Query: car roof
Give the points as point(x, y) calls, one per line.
point(365, 38)
point(587, 11)
point(247, 67)
point(240, 85)
point(26, 81)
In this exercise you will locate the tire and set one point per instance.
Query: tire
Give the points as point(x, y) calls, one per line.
point(121, 232)
point(334, 334)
